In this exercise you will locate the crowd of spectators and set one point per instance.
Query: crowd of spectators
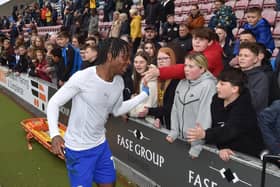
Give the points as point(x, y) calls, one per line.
point(190, 54)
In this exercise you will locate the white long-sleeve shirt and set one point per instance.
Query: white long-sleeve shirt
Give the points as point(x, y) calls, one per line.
point(93, 99)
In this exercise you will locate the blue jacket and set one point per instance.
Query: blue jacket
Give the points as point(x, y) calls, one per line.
point(262, 32)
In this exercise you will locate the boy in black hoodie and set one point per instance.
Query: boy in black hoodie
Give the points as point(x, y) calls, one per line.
point(234, 120)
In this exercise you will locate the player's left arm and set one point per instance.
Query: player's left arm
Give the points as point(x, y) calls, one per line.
point(122, 107)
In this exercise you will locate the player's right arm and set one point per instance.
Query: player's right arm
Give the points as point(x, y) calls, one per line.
point(64, 94)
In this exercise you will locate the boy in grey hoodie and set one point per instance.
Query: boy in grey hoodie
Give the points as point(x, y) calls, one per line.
point(192, 101)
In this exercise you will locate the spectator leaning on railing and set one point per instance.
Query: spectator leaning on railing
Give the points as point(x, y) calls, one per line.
point(234, 120)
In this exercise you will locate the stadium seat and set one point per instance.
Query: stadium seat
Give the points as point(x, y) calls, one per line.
point(277, 43)
point(178, 19)
point(276, 31)
point(255, 3)
point(206, 8)
point(191, 2)
point(277, 16)
point(239, 31)
point(270, 15)
point(178, 10)
point(235, 32)
point(185, 2)
point(231, 4)
point(240, 16)
point(269, 3)
point(178, 3)
point(275, 52)
point(186, 10)
point(241, 5)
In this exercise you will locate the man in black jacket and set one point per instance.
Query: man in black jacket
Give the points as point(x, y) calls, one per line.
point(234, 120)
point(184, 40)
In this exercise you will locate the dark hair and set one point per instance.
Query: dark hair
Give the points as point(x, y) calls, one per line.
point(221, 27)
point(220, 1)
point(136, 76)
point(115, 47)
point(64, 34)
point(93, 48)
point(267, 54)
point(153, 46)
point(91, 38)
point(22, 46)
point(79, 37)
point(248, 32)
point(56, 52)
point(257, 10)
point(253, 47)
point(195, 5)
point(205, 33)
point(83, 46)
point(235, 77)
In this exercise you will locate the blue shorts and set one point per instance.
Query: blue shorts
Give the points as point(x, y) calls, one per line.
point(92, 165)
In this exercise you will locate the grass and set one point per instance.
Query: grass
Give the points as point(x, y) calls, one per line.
point(20, 167)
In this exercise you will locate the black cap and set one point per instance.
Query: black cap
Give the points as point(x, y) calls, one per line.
point(150, 27)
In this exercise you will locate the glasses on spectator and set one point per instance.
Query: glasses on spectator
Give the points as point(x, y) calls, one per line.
point(163, 58)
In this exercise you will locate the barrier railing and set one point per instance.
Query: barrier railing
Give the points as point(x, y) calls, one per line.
point(41, 30)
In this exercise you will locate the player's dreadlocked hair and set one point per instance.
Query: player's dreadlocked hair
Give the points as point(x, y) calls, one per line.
point(115, 46)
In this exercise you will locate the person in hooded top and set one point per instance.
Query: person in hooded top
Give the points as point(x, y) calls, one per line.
point(234, 120)
point(192, 101)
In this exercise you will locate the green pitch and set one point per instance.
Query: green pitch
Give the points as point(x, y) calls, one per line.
point(20, 167)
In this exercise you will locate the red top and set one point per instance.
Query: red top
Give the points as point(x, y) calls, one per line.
point(213, 53)
point(41, 71)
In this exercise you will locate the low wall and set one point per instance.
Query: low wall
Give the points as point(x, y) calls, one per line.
point(141, 152)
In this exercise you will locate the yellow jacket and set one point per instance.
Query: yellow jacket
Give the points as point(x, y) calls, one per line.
point(48, 16)
point(135, 27)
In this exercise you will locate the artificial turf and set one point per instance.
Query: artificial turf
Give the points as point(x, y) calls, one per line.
point(20, 167)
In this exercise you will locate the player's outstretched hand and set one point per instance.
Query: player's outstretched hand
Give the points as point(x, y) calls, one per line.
point(151, 74)
point(58, 145)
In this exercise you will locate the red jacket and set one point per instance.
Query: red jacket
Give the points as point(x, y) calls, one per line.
point(41, 71)
point(213, 53)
